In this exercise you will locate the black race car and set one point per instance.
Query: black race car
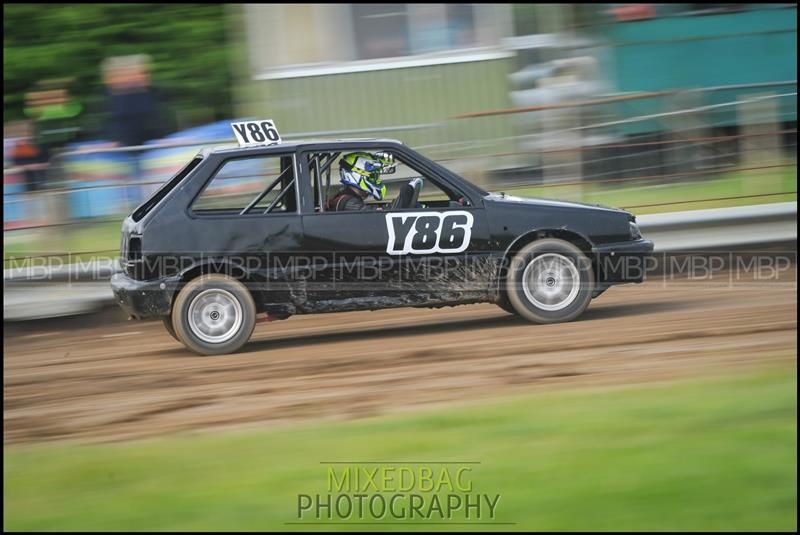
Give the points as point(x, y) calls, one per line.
point(248, 231)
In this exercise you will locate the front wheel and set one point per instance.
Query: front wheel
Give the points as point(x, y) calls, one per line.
point(505, 304)
point(214, 315)
point(167, 320)
point(550, 281)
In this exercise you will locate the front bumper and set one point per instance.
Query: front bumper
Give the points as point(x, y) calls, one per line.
point(144, 299)
point(622, 262)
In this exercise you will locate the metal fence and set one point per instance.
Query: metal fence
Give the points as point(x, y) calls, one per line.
point(611, 141)
point(657, 136)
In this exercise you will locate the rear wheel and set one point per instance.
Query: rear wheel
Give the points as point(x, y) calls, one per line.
point(550, 281)
point(214, 315)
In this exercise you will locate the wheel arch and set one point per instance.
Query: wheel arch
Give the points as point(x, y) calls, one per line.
point(224, 267)
point(576, 238)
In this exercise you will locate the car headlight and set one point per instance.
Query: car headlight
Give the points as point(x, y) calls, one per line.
point(636, 234)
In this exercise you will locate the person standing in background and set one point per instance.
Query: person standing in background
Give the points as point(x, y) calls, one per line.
point(131, 111)
point(136, 110)
point(27, 156)
point(54, 115)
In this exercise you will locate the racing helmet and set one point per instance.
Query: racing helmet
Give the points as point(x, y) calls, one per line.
point(362, 170)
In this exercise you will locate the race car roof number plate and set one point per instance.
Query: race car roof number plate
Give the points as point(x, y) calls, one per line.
point(255, 133)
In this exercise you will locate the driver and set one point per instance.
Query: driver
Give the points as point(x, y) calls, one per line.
point(359, 172)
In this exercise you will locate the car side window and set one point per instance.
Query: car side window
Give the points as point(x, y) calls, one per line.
point(255, 185)
point(433, 193)
point(323, 170)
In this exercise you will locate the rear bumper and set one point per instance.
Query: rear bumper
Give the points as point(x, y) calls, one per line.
point(144, 299)
point(622, 262)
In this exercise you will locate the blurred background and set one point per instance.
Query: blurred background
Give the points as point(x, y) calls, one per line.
point(651, 107)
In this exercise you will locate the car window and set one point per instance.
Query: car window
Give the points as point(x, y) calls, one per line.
point(325, 183)
point(431, 195)
point(257, 185)
point(168, 186)
point(323, 171)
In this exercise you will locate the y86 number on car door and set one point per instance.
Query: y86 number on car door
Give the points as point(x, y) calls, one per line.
point(428, 232)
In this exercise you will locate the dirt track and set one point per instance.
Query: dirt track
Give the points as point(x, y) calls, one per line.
point(128, 380)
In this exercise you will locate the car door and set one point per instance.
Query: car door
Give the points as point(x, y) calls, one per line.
point(246, 214)
point(387, 256)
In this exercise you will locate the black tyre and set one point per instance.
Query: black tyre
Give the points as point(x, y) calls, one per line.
point(550, 281)
point(214, 315)
point(505, 304)
point(167, 320)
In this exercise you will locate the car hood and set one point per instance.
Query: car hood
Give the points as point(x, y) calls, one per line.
point(503, 198)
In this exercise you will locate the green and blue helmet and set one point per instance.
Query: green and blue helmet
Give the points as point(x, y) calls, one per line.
point(362, 170)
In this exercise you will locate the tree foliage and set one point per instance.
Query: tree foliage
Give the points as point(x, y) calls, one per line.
point(187, 44)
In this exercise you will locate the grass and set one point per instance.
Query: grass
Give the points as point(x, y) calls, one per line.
point(105, 236)
point(639, 197)
point(89, 237)
point(710, 454)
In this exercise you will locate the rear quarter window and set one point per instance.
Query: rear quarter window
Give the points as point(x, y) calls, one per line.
point(162, 192)
point(252, 185)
